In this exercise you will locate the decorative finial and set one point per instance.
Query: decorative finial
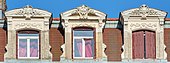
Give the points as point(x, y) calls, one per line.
point(143, 5)
point(83, 6)
point(28, 6)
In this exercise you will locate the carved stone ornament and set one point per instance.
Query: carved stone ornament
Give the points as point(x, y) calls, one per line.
point(144, 10)
point(28, 25)
point(145, 25)
point(83, 24)
point(134, 26)
point(28, 11)
point(83, 11)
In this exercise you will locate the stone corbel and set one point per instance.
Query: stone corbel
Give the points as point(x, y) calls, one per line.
point(46, 23)
point(123, 53)
point(161, 21)
point(63, 50)
point(125, 46)
point(28, 17)
point(100, 22)
point(165, 54)
point(9, 22)
point(125, 22)
point(103, 50)
point(66, 22)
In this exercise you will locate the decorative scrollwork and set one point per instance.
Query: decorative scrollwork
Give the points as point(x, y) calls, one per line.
point(28, 11)
point(144, 10)
point(28, 25)
point(143, 25)
point(83, 11)
point(83, 25)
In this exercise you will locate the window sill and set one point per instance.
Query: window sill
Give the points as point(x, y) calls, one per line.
point(83, 58)
point(144, 59)
point(27, 58)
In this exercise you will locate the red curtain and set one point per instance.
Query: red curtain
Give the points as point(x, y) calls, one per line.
point(88, 48)
point(138, 45)
point(150, 44)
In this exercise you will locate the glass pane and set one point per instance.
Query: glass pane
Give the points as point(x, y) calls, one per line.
point(22, 47)
point(1, 14)
point(89, 47)
point(83, 33)
point(78, 48)
point(33, 47)
point(26, 35)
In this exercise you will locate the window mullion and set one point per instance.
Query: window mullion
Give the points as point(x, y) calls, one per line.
point(28, 47)
point(38, 47)
point(18, 48)
point(83, 47)
point(144, 44)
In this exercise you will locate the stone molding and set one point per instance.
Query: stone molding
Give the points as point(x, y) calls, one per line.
point(83, 13)
point(39, 24)
point(143, 10)
point(28, 12)
point(143, 25)
point(153, 23)
point(68, 22)
point(33, 25)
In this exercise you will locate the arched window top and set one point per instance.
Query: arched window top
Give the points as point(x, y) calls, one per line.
point(83, 31)
point(144, 30)
point(83, 28)
point(28, 32)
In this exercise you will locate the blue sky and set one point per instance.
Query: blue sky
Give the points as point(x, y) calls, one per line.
point(111, 7)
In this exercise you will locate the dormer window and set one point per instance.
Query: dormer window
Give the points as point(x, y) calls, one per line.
point(24, 28)
point(143, 34)
point(83, 43)
point(28, 45)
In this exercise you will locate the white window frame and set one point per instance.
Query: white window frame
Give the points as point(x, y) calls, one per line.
point(28, 46)
point(83, 46)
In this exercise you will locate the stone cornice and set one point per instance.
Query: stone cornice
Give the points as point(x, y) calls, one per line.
point(143, 11)
point(28, 12)
point(83, 13)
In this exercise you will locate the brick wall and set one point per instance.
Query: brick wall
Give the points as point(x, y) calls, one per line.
point(113, 39)
point(56, 40)
point(167, 41)
point(2, 43)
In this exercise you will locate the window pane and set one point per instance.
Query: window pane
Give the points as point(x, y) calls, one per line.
point(83, 33)
point(22, 47)
point(78, 48)
point(33, 47)
point(89, 47)
point(28, 35)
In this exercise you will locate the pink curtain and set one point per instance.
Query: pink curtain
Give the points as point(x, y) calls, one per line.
point(22, 49)
point(34, 49)
point(88, 47)
point(79, 47)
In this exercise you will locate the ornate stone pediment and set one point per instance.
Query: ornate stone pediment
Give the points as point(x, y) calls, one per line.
point(28, 18)
point(143, 18)
point(144, 11)
point(28, 11)
point(83, 12)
